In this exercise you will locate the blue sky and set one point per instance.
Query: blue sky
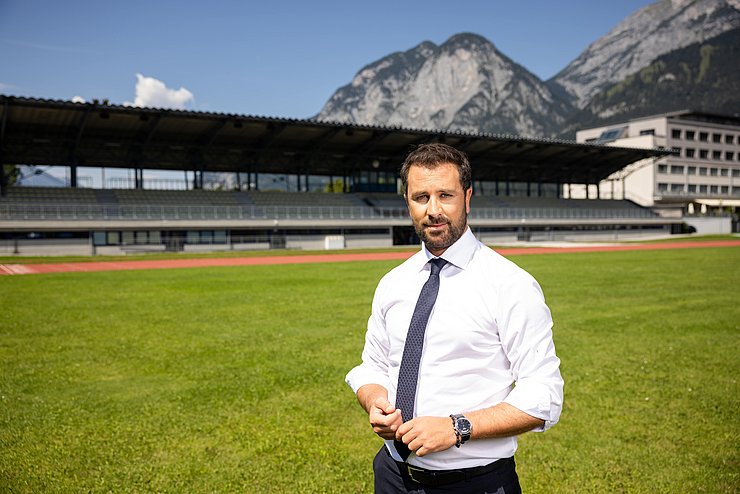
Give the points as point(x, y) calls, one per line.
point(270, 58)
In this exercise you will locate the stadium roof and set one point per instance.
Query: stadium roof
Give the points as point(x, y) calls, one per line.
point(51, 132)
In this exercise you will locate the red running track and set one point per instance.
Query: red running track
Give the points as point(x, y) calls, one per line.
point(63, 267)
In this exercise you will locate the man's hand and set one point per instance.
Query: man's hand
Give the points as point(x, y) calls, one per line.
point(424, 435)
point(385, 418)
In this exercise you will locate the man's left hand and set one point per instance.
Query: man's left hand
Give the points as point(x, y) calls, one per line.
point(424, 435)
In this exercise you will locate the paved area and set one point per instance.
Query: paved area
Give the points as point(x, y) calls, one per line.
point(19, 269)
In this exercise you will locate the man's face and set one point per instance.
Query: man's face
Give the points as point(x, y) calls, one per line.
point(438, 205)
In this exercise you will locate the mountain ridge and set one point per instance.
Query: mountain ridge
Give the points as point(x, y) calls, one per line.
point(466, 84)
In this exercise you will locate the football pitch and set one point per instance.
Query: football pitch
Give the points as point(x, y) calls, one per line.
point(231, 379)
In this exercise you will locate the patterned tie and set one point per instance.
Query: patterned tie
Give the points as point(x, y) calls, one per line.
point(408, 374)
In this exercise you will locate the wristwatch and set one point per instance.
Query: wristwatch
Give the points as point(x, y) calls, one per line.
point(463, 428)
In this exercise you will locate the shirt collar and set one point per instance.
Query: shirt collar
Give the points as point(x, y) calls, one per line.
point(460, 253)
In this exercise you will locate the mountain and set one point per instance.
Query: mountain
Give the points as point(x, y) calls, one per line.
point(652, 31)
point(697, 77)
point(671, 55)
point(465, 84)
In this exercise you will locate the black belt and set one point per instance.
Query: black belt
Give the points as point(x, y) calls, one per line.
point(435, 478)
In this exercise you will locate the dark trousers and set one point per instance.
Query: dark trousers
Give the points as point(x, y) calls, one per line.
point(390, 480)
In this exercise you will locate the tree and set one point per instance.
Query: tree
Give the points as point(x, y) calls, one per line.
point(337, 186)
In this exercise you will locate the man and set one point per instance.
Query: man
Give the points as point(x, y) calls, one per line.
point(450, 414)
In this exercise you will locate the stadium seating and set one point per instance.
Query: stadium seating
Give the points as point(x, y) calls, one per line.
point(71, 204)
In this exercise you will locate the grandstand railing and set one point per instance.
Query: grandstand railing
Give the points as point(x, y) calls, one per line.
point(80, 212)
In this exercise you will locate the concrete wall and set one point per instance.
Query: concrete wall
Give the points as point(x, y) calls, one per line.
point(55, 247)
point(710, 224)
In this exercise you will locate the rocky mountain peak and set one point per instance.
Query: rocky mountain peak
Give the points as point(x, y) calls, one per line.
point(464, 84)
point(652, 31)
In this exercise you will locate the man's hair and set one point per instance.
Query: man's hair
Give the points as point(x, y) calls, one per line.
point(433, 155)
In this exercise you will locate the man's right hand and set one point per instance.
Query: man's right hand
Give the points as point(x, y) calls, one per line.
point(385, 418)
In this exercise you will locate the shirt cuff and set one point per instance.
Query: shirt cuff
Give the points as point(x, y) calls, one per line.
point(361, 375)
point(537, 400)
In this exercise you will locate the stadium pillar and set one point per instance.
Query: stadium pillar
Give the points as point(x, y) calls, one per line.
point(138, 176)
point(73, 176)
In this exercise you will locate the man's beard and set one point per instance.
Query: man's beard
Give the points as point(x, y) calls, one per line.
point(442, 241)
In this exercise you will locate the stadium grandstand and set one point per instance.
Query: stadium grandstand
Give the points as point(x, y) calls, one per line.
point(251, 182)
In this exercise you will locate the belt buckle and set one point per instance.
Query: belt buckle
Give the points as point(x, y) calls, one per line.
point(411, 469)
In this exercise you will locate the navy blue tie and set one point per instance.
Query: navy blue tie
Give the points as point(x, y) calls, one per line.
point(408, 374)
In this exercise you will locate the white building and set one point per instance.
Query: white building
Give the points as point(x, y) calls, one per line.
point(701, 181)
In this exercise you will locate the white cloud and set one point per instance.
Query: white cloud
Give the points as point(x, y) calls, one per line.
point(151, 92)
point(78, 99)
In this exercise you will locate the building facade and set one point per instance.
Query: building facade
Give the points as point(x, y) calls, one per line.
point(701, 178)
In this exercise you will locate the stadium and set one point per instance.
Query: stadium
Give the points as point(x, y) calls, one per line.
point(252, 183)
point(228, 377)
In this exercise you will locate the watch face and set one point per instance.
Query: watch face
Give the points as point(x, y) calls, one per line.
point(463, 425)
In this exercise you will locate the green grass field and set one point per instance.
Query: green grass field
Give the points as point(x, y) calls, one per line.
point(231, 379)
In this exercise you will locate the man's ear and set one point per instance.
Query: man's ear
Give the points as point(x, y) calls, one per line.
point(468, 195)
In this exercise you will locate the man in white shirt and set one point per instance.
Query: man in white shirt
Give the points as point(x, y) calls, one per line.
point(488, 369)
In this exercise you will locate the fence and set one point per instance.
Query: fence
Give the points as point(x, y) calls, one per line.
point(71, 212)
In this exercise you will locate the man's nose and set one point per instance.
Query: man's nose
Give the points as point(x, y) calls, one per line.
point(434, 207)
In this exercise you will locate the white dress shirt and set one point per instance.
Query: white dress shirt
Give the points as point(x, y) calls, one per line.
point(488, 340)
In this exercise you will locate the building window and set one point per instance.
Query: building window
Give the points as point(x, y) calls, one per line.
point(724, 189)
point(703, 136)
point(692, 170)
point(729, 156)
point(689, 135)
point(612, 134)
point(717, 138)
point(676, 169)
point(723, 172)
point(662, 187)
point(662, 168)
point(692, 188)
point(690, 152)
point(676, 133)
point(736, 172)
point(703, 154)
point(736, 191)
point(703, 171)
point(647, 132)
point(702, 189)
point(729, 139)
point(716, 155)
point(713, 189)
point(713, 172)
point(676, 188)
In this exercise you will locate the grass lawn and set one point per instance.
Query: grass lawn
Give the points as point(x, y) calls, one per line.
point(231, 379)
